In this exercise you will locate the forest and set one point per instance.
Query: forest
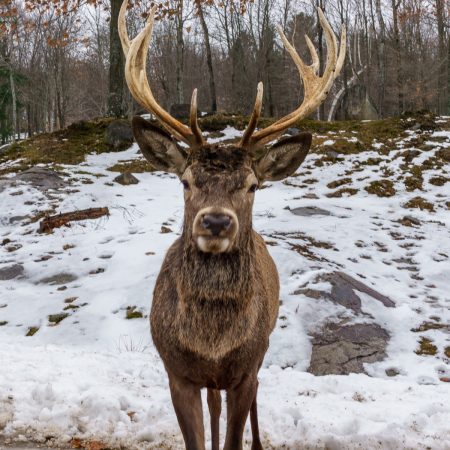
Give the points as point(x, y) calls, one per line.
point(61, 60)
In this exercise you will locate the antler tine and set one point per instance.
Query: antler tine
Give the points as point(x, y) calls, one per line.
point(193, 120)
point(316, 87)
point(314, 56)
point(136, 76)
point(255, 116)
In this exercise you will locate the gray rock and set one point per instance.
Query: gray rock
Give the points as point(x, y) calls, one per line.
point(59, 278)
point(40, 178)
point(292, 131)
point(119, 135)
point(126, 179)
point(11, 272)
point(343, 291)
point(308, 211)
point(340, 350)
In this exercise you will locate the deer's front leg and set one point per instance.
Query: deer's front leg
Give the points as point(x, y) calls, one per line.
point(186, 399)
point(239, 401)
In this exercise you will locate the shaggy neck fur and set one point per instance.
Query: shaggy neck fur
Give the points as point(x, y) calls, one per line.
point(216, 312)
point(222, 277)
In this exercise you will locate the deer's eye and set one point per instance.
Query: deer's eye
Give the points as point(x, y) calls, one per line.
point(253, 188)
point(185, 185)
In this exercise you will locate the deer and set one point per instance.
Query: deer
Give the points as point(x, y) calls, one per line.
point(216, 298)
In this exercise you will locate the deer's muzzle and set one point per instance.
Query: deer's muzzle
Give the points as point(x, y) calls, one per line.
point(215, 229)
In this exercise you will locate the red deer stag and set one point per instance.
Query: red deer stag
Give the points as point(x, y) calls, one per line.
point(216, 300)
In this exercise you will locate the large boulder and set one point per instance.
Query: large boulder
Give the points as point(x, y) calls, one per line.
point(342, 347)
point(11, 272)
point(119, 135)
point(40, 178)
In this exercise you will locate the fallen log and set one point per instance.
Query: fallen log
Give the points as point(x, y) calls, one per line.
point(49, 223)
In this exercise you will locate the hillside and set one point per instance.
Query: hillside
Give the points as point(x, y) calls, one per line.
point(360, 357)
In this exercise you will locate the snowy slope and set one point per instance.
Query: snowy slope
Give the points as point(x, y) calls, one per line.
point(96, 375)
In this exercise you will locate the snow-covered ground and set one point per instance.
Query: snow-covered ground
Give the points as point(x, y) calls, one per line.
point(96, 376)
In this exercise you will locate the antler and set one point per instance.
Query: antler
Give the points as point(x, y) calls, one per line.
point(316, 87)
point(136, 76)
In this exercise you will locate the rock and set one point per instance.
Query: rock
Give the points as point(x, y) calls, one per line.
point(292, 131)
point(11, 272)
point(340, 350)
point(119, 135)
point(444, 154)
point(343, 291)
point(59, 278)
point(40, 178)
point(308, 211)
point(180, 110)
point(126, 179)
point(392, 372)
point(15, 219)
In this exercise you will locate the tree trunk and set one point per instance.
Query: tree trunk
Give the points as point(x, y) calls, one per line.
point(180, 55)
point(14, 104)
point(320, 4)
point(116, 104)
point(212, 84)
point(441, 42)
point(398, 55)
point(448, 76)
point(381, 59)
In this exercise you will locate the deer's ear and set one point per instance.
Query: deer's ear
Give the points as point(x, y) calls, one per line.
point(283, 158)
point(158, 147)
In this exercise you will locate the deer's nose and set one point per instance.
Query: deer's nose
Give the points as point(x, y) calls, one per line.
point(216, 223)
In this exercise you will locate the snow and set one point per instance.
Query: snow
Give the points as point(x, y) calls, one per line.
point(97, 376)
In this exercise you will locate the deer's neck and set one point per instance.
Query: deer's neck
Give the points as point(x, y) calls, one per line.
point(223, 277)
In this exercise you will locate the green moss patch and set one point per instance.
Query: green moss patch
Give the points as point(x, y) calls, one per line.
point(32, 331)
point(419, 203)
point(342, 192)
point(439, 181)
point(338, 183)
point(68, 146)
point(425, 326)
point(133, 313)
point(132, 166)
point(381, 188)
point(426, 347)
point(57, 318)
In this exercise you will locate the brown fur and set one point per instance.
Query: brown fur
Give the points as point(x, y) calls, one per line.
point(215, 301)
point(212, 314)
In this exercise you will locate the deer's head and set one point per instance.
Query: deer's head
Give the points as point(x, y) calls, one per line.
point(220, 180)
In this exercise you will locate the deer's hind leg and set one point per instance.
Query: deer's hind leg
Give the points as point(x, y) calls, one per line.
point(215, 407)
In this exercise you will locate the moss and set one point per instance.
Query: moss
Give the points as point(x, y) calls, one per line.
point(57, 318)
point(32, 331)
point(342, 192)
point(372, 161)
point(381, 188)
point(132, 166)
point(337, 183)
point(438, 180)
point(447, 352)
point(425, 326)
point(132, 313)
point(419, 203)
point(426, 347)
point(68, 146)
